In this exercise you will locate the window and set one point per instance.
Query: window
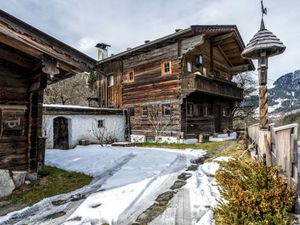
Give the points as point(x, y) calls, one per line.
point(111, 80)
point(203, 110)
point(131, 111)
point(144, 111)
point(166, 110)
point(189, 67)
point(166, 68)
point(190, 109)
point(205, 71)
point(100, 123)
point(226, 112)
point(198, 60)
point(130, 76)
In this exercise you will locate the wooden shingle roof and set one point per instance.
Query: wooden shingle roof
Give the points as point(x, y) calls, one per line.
point(263, 40)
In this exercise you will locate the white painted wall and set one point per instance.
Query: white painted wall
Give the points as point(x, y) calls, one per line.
point(80, 127)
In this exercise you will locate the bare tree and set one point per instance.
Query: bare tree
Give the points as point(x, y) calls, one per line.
point(73, 91)
point(159, 120)
point(99, 133)
point(245, 110)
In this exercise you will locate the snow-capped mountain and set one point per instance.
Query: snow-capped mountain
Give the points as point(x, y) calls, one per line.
point(284, 96)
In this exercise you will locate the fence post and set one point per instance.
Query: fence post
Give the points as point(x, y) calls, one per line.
point(264, 146)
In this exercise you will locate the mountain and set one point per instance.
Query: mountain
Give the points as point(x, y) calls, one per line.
point(284, 96)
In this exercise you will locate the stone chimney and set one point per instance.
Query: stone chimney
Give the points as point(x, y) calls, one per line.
point(102, 51)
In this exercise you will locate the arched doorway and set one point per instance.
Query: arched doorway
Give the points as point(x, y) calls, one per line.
point(61, 133)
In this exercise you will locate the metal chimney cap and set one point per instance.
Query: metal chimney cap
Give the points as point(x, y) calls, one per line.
point(102, 45)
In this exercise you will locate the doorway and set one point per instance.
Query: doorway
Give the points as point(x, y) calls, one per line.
point(61, 133)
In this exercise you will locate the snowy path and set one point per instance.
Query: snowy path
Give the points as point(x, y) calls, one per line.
point(47, 209)
point(126, 181)
point(158, 184)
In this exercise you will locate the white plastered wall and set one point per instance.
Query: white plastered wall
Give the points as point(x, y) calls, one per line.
point(81, 126)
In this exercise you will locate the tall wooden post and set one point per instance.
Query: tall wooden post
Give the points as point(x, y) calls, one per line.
point(263, 91)
point(264, 44)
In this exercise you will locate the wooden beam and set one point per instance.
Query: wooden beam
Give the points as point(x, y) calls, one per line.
point(219, 38)
point(224, 55)
point(36, 49)
point(13, 56)
point(239, 68)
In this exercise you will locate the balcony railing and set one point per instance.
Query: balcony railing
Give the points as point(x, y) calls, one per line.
point(211, 85)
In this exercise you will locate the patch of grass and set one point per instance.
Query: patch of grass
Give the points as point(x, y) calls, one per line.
point(235, 150)
point(52, 181)
point(209, 146)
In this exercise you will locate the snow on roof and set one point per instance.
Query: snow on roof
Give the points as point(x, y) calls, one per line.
point(77, 107)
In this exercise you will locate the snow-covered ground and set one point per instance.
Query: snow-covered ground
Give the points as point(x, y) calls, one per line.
point(126, 182)
point(223, 137)
point(204, 192)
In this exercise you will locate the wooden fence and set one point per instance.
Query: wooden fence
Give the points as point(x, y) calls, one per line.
point(278, 147)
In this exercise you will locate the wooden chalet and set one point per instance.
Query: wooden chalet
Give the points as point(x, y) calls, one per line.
point(186, 74)
point(29, 61)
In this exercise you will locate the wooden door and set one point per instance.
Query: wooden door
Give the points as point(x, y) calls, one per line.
point(61, 133)
point(218, 118)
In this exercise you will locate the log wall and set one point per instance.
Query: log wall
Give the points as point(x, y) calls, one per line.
point(20, 118)
point(13, 95)
point(151, 87)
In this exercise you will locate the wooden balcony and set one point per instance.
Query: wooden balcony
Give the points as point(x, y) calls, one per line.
point(211, 85)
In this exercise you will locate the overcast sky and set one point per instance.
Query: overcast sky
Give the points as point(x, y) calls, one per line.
point(127, 23)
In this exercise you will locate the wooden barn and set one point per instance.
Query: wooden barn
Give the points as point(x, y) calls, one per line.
point(29, 61)
point(176, 87)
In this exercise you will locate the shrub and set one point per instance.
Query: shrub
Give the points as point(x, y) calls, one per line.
point(253, 194)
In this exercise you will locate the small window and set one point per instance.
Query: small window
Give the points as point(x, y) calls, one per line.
point(189, 67)
point(203, 110)
point(205, 71)
point(226, 112)
point(167, 110)
point(111, 80)
point(198, 60)
point(190, 110)
point(166, 68)
point(130, 76)
point(100, 123)
point(144, 111)
point(196, 110)
point(131, 111)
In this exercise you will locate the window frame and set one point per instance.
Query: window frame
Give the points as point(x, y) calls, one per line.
point(200, 63)
point(100, 123)
point(166, 107)
point(203, 110)
point(128, 76)
point(189, 67)
point(190, 109)
point(131, 111)
point(163, 72)
point(145, 109)
point(226, 112)
point(109, 80)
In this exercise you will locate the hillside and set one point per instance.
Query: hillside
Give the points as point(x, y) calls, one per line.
point(284, 96)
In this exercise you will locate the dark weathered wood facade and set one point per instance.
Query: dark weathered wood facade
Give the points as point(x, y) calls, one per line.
point(29, 60)
point(189, 71)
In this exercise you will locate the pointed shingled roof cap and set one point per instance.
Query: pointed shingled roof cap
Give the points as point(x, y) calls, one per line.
point(263, 40)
